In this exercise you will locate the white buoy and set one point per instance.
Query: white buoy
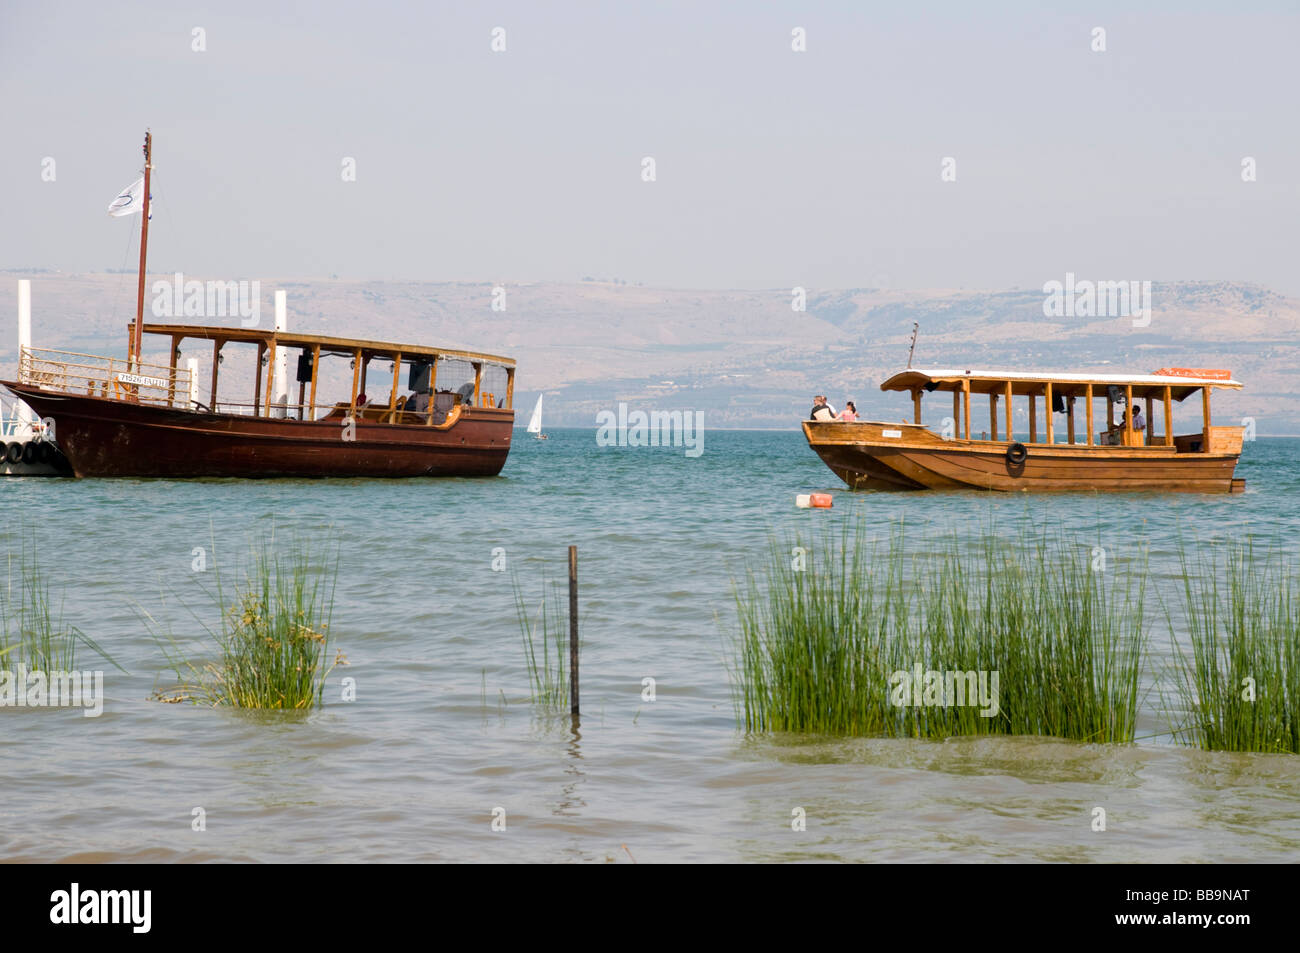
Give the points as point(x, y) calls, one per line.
point(803, 501)
point(281, 357)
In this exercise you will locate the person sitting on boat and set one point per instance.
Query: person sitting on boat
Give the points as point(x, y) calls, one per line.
point(1139, 423)
point(821, 410)
point(850, 412)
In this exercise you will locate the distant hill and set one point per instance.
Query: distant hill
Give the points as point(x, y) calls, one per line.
point(744, 357)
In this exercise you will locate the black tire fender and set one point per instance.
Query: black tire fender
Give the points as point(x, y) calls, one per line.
point(1017, 454)
point(14, 453)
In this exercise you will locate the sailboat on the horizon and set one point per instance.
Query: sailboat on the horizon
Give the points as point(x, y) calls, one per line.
point(535, 422)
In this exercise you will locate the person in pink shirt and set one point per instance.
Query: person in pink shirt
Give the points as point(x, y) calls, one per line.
point(850, 412)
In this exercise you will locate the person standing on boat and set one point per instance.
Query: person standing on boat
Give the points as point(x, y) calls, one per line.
point(1139, 424)
point(821, 410)
point(850, 411)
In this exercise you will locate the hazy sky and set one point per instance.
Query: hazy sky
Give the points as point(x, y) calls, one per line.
point(774, 168)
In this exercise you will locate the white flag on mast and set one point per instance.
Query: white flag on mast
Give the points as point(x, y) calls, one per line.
point(130, 200)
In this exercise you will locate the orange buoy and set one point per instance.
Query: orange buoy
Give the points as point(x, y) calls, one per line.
point(820, 500)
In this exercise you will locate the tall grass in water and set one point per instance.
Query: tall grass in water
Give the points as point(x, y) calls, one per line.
point(545, 640)
point(273, 640)
point(813, 652)
point(833, 647)
point(1241, 679)
point(33, 632)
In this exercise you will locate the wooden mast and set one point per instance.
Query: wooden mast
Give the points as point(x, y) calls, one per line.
point(137, 335)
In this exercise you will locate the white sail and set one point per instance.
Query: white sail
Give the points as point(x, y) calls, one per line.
point(535, 422)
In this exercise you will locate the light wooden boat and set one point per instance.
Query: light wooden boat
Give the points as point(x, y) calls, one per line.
point(908, 456)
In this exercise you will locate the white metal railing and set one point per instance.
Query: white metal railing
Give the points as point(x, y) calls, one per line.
point(111, 377)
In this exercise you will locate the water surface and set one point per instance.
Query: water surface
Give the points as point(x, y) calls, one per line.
point(441, 733)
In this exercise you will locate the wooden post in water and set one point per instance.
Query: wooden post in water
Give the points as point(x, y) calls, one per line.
point(573, 630)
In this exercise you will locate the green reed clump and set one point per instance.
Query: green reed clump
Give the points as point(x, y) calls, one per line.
point(814, 639)
point(1241, 679)
point(545, 640)
point(1064, 641)
point(273, 640)
point(33, 632)
point(1021, 641)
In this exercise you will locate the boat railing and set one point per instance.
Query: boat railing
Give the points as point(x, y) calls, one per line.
point(114, 378)
point(378, 413)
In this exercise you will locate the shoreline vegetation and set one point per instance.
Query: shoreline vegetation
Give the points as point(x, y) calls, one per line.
point(33, 632)
point(1239, 677)
point(545, 642)
point(272, 644)
point(970, 635)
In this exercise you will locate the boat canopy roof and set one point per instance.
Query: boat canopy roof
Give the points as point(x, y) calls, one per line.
point(1065, 383)
point(327, 345)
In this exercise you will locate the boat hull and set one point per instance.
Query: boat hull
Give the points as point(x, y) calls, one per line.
point(102, 437)
point(870, 455)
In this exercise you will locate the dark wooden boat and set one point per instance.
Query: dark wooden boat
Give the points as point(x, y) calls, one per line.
point(118, 418)
point(126, 418)
point(907, 456)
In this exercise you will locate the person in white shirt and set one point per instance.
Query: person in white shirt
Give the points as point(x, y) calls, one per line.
point(821, 410)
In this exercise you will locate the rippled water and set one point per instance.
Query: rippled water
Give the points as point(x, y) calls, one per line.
point(441, 734)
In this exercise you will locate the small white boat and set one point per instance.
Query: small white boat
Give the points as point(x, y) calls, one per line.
point(24, 451)
point(535, 422)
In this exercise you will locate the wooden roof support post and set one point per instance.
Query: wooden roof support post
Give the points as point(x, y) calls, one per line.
point(433, 389)
point(364, 361)
point(216, 364)
point(397, 379)
point(257, 384)
point(1049, 411)
point(315, 367)
point(1033, 418)
point(1128, 415)
point(916, 406)
point(956, 412)
point(993, 416)
point(1087, 397)
point(478, 381)
point(1205, 410)
point(1010, 432)
point(1150, 423)
point(510, 390)
point(270, 375)
point(1069, 417)
point(1169, 416)
point(965, 393)
point(171, 383)
point(356, 378)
